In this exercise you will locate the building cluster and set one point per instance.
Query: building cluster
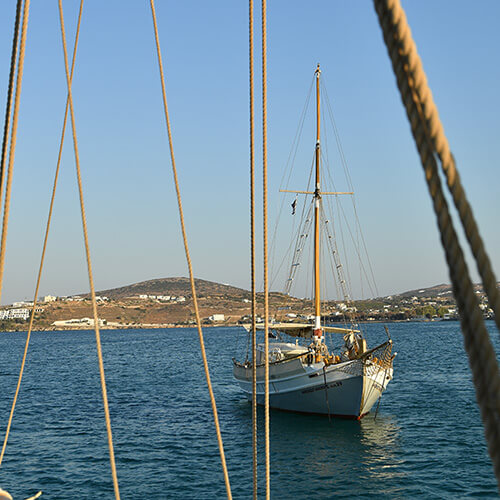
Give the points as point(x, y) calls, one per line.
point(79, 322)
point(21, 310)
point(77, 298)
point(442, 306)
point(163, 298)
point(16, 312)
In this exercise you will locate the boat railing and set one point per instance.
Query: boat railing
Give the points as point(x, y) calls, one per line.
point(247, 364)
point(384, 359)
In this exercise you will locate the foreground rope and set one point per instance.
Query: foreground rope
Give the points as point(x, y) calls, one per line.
point(266, 281)
point(44, 248)
point(2, 175)
point(13, 137)
point(10, 92)
point(431, 143)
point(15, 116)
point(89, 264)
point(442, 148)
point(252, 250)
point(188, 258)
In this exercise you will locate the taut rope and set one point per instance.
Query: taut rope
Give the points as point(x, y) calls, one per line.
point(10, 92)
point(37, 286)
point(252, 249)
point(11, 168)
point(266, 281)
point(188, 258)
point(431, 144)
point(13, 137)
point(89, 264)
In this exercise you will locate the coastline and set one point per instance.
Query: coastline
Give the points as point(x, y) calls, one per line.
point(157, 326)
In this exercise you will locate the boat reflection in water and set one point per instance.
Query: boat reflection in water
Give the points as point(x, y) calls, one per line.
point(343, 457)
point(380, 438)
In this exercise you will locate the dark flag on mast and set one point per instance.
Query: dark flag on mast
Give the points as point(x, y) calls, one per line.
point(294, 204)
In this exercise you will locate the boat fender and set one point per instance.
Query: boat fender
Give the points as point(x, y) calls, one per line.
point(5, 495)
point(362, 347)
point(34, 497)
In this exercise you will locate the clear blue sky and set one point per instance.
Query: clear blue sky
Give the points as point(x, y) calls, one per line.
point(131, 208)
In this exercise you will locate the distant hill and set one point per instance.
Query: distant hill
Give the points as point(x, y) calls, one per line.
point(174, 286)
point(431, 291)
point(436, 290)
point(181, 286)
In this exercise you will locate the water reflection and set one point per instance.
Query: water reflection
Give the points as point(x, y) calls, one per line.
point(380, 438)
point(344, 456)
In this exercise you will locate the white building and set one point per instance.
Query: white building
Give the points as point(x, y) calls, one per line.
point(75, 298)
point(78, 322)
point(49, 298)
point(19, 313)
point(216, 317)
point(22, 303)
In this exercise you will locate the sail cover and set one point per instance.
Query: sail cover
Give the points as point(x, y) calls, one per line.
point(304, 330)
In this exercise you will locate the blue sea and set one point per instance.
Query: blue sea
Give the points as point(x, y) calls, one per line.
point(426, 442)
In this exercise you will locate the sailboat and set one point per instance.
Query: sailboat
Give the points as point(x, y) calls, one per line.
point(310, 377)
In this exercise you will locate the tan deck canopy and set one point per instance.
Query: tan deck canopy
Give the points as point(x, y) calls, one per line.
point(304, 330)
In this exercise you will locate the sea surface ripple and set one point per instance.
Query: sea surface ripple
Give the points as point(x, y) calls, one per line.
point(427, 440)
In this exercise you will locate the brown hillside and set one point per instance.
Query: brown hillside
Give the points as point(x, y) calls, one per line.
point(174, 286)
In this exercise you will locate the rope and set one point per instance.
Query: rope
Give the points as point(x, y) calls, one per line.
point(442, 149)
point(252, 247)
point(89, 264)
point(10, 91)
point(188, 258)
point(9, 176)
point(428, 135)
point(266, 283)
point(15, 117)
point(37, 286)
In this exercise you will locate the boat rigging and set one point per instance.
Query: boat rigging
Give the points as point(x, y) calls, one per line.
point(314, 378)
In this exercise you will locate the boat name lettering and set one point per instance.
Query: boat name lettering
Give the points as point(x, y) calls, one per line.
point(322, 387)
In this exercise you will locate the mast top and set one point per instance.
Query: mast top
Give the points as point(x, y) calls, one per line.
point(318, 71)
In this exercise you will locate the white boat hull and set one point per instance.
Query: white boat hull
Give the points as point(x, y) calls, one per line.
point(348, 389)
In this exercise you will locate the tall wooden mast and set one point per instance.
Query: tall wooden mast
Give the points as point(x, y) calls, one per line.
point(317, 196)
point(317, 330)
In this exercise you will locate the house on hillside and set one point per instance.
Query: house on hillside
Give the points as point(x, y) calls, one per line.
point(18, 313)
point(216, 317)
point(49, 298)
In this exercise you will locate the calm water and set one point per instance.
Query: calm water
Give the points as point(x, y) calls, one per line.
point(426, 442)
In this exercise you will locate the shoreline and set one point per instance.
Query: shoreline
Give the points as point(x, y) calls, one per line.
point(158, 326)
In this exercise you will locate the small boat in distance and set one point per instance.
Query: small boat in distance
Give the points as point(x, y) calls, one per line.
point(311, 377)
